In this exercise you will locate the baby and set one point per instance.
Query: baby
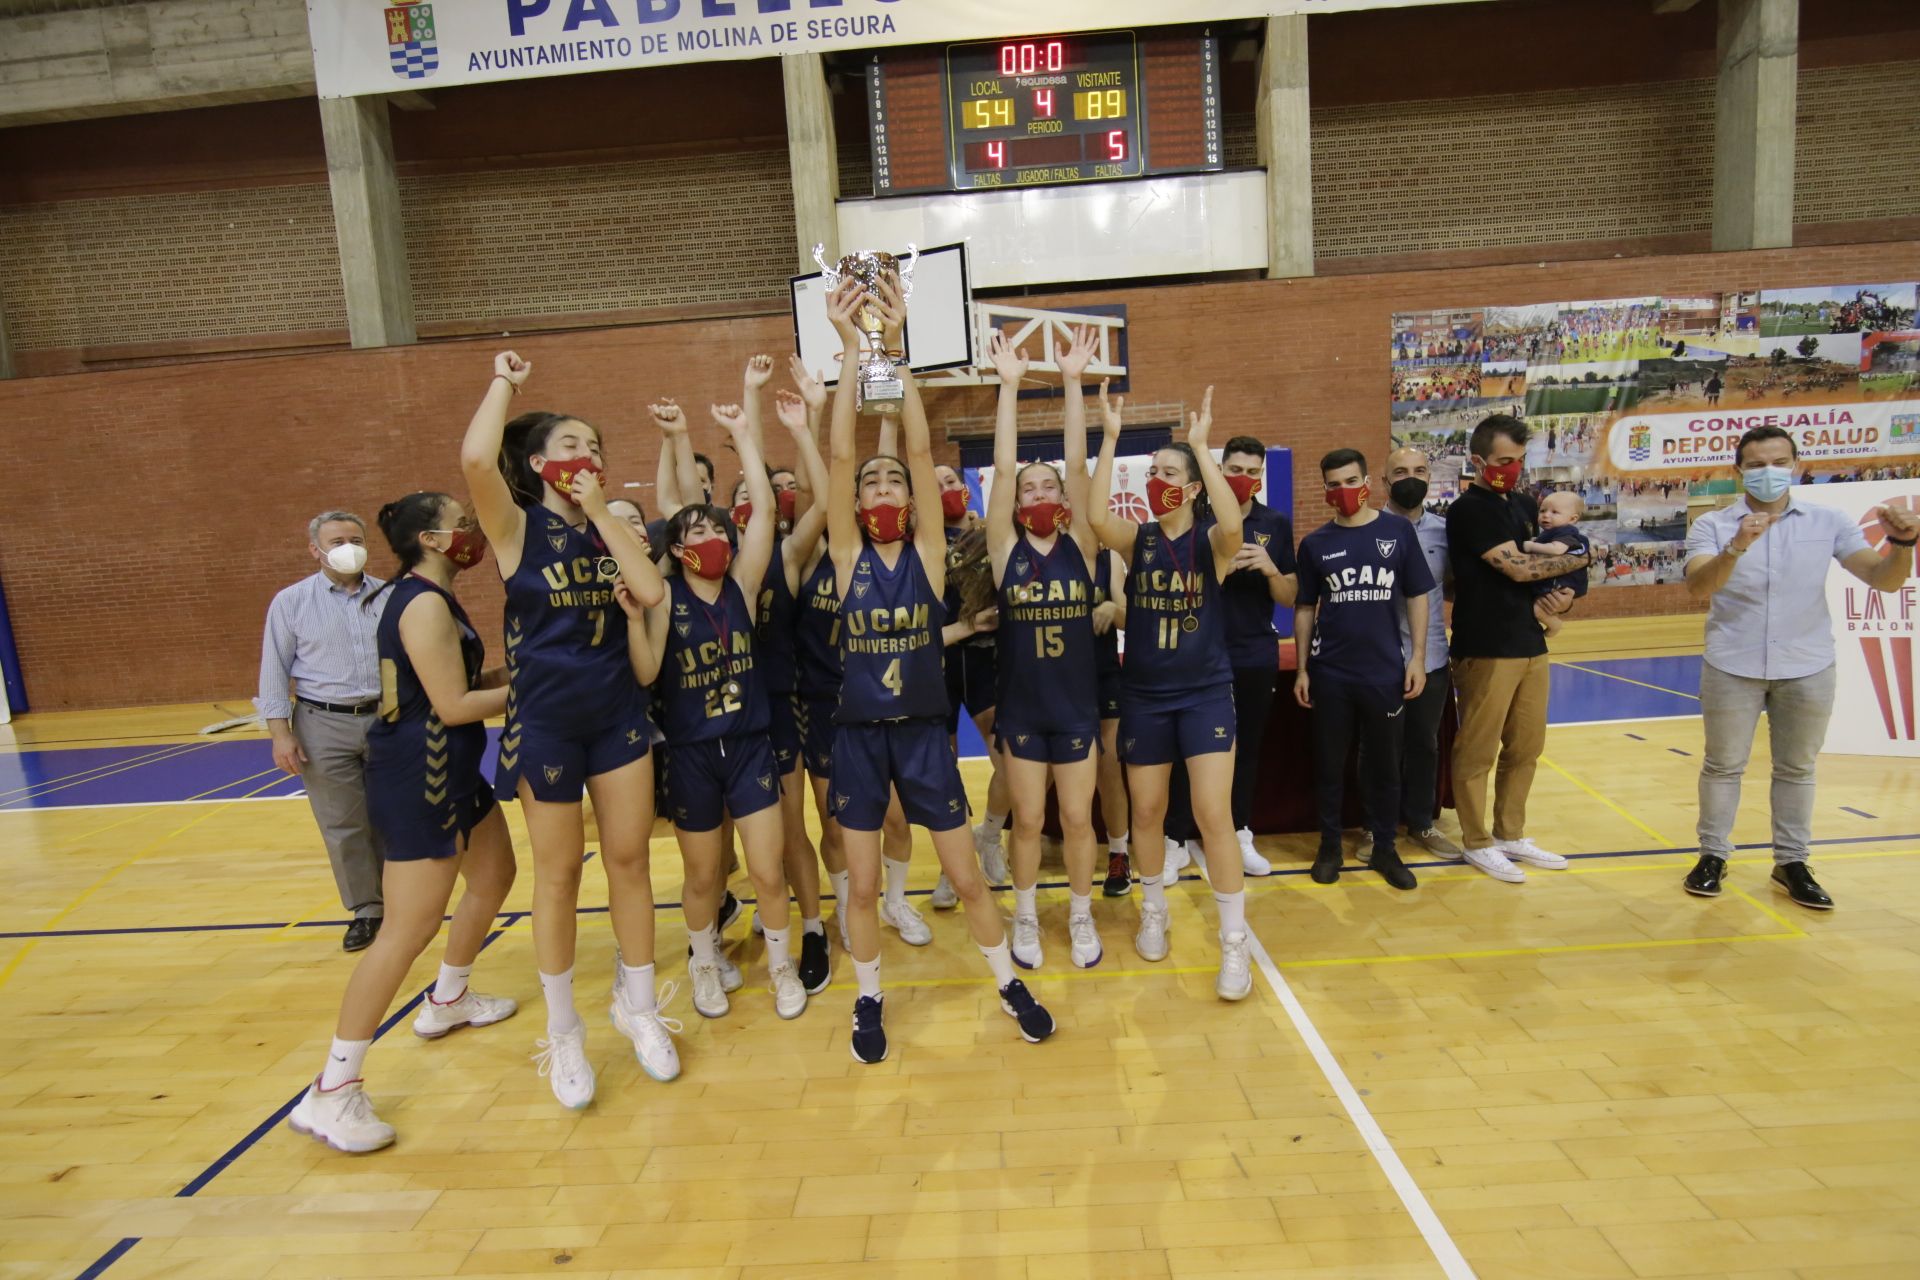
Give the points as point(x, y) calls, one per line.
point(1559, 535)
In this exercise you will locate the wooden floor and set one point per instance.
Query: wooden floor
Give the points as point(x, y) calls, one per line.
point(1591, 1075)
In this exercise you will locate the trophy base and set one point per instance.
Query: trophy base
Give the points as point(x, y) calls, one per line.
point(883, 395)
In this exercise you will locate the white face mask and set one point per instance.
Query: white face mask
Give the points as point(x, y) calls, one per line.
point(348, 557)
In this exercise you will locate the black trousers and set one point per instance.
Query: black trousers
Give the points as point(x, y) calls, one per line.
point(1420, 751)
point(1252, 700)
point(1371, 714)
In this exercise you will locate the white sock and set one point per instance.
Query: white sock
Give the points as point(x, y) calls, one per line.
point(1155, 892)
point(839, 879)
point(1244, 835)
point(343, 1062)
point(637, 983)
point(1023, 900)
point(1000, 960)
point(992, 825)
point(1079, 905)
point(1233, 912)
point(867, 974)
point(896, 882)
point(811, 924)
point(558, 989)
point(452, 983)
point(776, 947)
point(1117, 845)
point(705, 943)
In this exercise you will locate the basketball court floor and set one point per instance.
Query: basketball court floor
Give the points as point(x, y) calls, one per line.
point(1588, 1075)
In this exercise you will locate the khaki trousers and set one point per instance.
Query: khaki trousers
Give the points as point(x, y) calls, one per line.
point(1503, 715)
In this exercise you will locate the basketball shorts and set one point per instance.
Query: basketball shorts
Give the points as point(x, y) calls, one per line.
point(1151, 733)
point(1066, 747)
point(913, 757)
point(713, 777)
point(973, 679)
point(557, 763)
point(420, 811)
point(783, 730)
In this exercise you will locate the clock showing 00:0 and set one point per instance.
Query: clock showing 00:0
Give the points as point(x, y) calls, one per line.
point(1047, 110)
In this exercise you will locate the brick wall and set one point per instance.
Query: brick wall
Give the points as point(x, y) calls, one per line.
point(146, 580)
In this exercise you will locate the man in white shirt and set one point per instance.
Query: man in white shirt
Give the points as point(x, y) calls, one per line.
point(1763, 562)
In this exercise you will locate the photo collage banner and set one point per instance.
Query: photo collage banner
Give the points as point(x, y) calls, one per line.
point(1635, 404)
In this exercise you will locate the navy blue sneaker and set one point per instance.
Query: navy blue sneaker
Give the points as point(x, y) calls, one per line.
point(869, 1033)
point(1036, 1024)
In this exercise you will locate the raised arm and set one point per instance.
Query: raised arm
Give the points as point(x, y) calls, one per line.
point(668, 495)
point(432, 642)
point(1011, 364)
point(929, 530)
point(493, 503)
point(756, 543)
point(759, 371)
point(843, 516)
point(1073, 367)
point(1225, 536)
point(814, 397)
point(809, 522)
point(1115, 533)
point(1887, 570)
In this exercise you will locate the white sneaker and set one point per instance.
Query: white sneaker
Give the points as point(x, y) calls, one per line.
point(1176, 862)
point(652, 1033)
point(1524, 850)
point(1086, 941)
point(789, 997)
point(1250, 860)
point(944, 898)
point(901, 915)
point(1026, 941)
point(563, 1064)
point(1495, 864)
point(993, 855)
point(730, 976)
point(342, 1118)
point(1236, 968)
point(468, 1009)
point(1151, 941)
point(709, 996)
point(1195, 855)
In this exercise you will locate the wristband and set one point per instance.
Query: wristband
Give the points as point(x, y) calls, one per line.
point(1908, 543)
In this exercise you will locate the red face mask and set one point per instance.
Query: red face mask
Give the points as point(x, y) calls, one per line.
point(885, 522)
point(1348, 501)
point(1243, 487)
point(953, 503)
point(1045, 518)
point(742, 514)
point(560, 474)
point(1163, 497)
point(1504, 478)
point(465, 547)
point(783, 502)
point(707, 558)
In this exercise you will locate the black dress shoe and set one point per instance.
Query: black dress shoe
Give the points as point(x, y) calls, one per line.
point(360, 933)
point(1800, 885)
point(1386, 861)
point(1704, 880)
point(1326, 866)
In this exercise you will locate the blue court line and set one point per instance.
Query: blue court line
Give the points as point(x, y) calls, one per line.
point(513, 917)
point(272, 1122)
point(1858, 813)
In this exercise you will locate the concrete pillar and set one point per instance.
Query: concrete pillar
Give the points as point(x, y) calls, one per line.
point(1283, 134)
point(812, 156)
point(1753, 124)
point(366, 220)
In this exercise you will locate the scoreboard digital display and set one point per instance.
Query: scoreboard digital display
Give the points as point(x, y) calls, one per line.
point(1045, 110)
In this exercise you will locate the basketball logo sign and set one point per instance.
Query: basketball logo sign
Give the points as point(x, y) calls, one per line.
point(412, 48)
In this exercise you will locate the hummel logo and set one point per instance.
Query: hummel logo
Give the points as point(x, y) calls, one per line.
point(633, 736)
point(1219, 731)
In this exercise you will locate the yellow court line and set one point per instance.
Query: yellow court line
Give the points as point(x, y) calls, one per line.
point(1627, 680)
point(1764, 909)
point(125, 766)
point(1545, 760)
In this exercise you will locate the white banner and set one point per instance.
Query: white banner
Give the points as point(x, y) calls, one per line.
point(377, 46)
point(1704, 440)
point(1876, 710)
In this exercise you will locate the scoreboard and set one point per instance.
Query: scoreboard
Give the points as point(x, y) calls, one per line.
point(1060, 109)
point(1084, 107)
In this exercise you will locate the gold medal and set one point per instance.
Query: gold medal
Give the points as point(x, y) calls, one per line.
point(1189, 624)
point(732, 689)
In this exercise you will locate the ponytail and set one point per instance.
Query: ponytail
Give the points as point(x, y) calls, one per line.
point(403, 522)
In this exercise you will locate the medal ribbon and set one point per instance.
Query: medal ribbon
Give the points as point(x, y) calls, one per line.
point(1193, 557)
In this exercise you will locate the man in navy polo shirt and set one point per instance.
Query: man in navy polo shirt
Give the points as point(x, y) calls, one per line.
point(1360, 575)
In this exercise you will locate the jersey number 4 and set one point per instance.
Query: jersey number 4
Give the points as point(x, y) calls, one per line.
point(891, 677)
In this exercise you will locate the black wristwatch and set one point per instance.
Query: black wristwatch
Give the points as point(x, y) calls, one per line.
point(1898, 543)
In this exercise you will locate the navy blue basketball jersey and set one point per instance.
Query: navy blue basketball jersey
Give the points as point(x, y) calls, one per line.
point(402, 699)
point(707, 685)
point(567, 662)
point(890, 655)
point(1176, 634)
point(775, 619)
point(1106, 648)
point(817, 632)
point(1049, 681)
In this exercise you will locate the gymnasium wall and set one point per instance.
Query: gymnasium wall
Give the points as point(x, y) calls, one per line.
point(156, 510)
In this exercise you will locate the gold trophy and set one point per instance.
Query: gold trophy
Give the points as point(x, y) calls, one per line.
point(881, 390)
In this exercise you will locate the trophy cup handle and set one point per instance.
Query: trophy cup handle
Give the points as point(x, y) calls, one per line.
point(829, 276)
point(906, 271)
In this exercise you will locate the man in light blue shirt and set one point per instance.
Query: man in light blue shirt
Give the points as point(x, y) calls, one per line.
point(319, 694)
point(1407, 477)
point(1763, 561)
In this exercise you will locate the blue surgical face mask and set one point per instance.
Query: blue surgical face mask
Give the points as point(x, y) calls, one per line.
point(1767, 483)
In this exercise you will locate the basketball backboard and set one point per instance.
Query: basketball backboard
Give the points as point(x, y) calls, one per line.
point(939, 320)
